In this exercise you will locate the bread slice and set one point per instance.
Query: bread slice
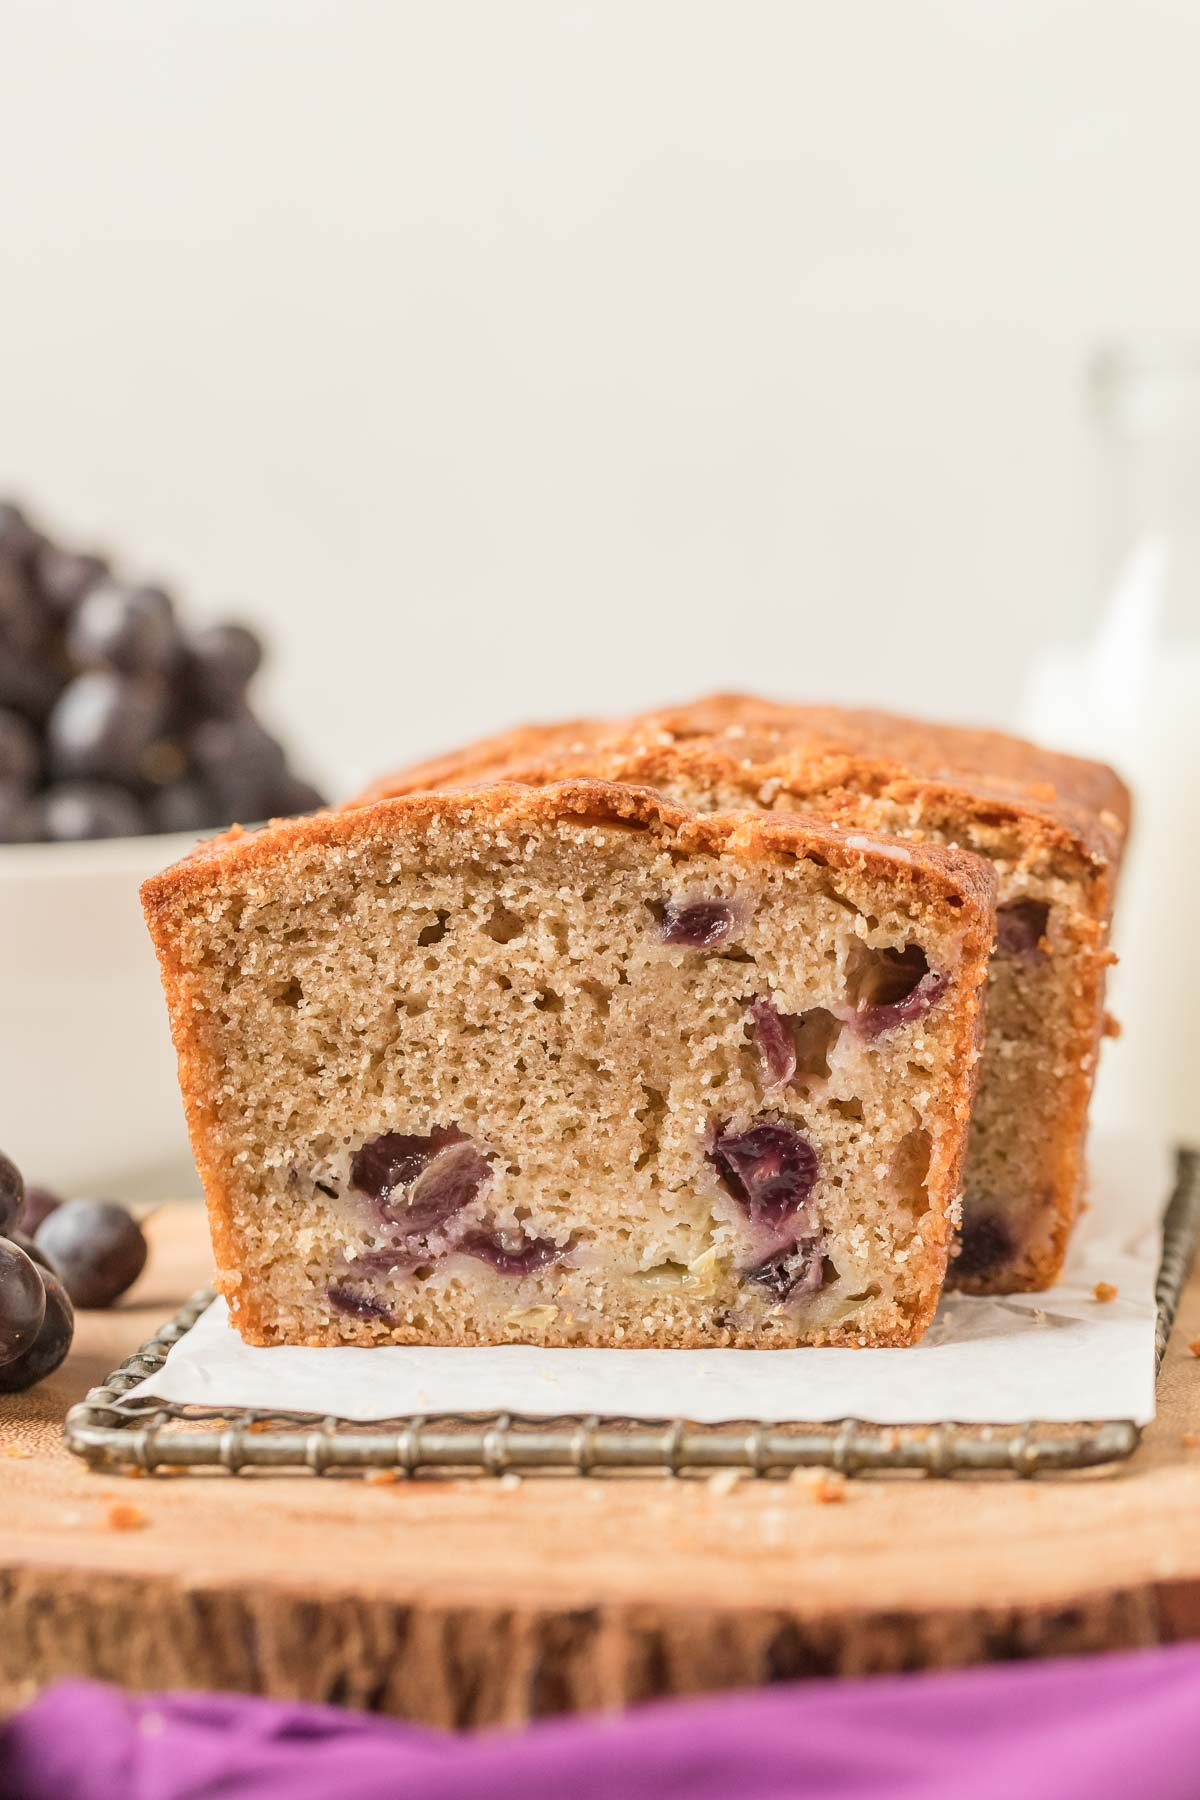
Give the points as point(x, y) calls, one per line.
point(1053, 828)
point(574, 1065)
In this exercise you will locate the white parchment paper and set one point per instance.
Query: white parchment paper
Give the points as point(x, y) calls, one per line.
point(1060, 1355)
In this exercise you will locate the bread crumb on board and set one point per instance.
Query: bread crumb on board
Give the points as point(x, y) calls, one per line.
point(1191, 1440)
point(825, 1486)
point(381, 1477)
point(723, 1482)
point(121, 1516)
point(1104, 1291)
point(1194, 1346)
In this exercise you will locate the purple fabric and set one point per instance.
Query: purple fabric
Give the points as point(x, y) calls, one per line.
point(1103, 1727)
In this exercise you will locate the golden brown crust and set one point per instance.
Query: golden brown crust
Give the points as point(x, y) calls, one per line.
point(950, 874)
point(1060, 804)
point(949, 878)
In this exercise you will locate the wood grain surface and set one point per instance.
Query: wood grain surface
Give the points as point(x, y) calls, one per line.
point(466, 1601)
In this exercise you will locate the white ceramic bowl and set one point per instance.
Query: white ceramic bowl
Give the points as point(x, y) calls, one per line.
point(88, 1096)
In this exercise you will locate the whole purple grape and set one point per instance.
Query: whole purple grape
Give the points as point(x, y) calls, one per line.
point(22, 1301)
point(103, 724)
point(97, 1248)
point(24, 1242)
point(39, 1204)
point(184, 805)
point(63, 577)
point(12, 1194)
point(51, 1343)
point(128, 628)
point(221, 662)
point(241, 763)
point(76, 810)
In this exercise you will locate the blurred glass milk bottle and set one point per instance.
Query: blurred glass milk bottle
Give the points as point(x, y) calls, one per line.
point(1132, 697)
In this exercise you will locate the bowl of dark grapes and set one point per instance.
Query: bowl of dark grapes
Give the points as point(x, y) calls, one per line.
point(127, 733)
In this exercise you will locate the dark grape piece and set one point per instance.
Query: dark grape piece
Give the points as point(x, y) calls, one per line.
point(20, 756)
point(51, 1343)
point(63, 577)
point(22, 1301)
point(776, 1038)
point(770, 1170)
point(77, 810)
point(131, 629)
point(888, 988)
point(39, 1204)
point(97, 1248)
point(242, 764)
point(395, 1159)
point(985, 1244)
point(791, 1274)
point(420, 1183)
point(12, 1194)
point(104, 724)
point(1020, 928)
point(356, 1304)
point(451, 1181)
point(872, 1021)
point(183, 805)
point(24, 1242)
point(515, 1255)
point(696, 924)
point(222, 660)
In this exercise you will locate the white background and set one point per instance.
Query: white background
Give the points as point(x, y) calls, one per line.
point(513, 358)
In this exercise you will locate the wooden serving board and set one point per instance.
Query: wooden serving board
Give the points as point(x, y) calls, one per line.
point(467, 1601)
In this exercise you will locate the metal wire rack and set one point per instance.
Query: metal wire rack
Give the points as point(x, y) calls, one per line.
point(116, 1434)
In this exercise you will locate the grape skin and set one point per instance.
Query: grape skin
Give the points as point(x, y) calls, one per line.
point(22, 1302)
point(97, 1248)
point(51, 1344)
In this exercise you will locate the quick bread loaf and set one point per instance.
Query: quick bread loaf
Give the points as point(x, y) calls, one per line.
point(573, 1063)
